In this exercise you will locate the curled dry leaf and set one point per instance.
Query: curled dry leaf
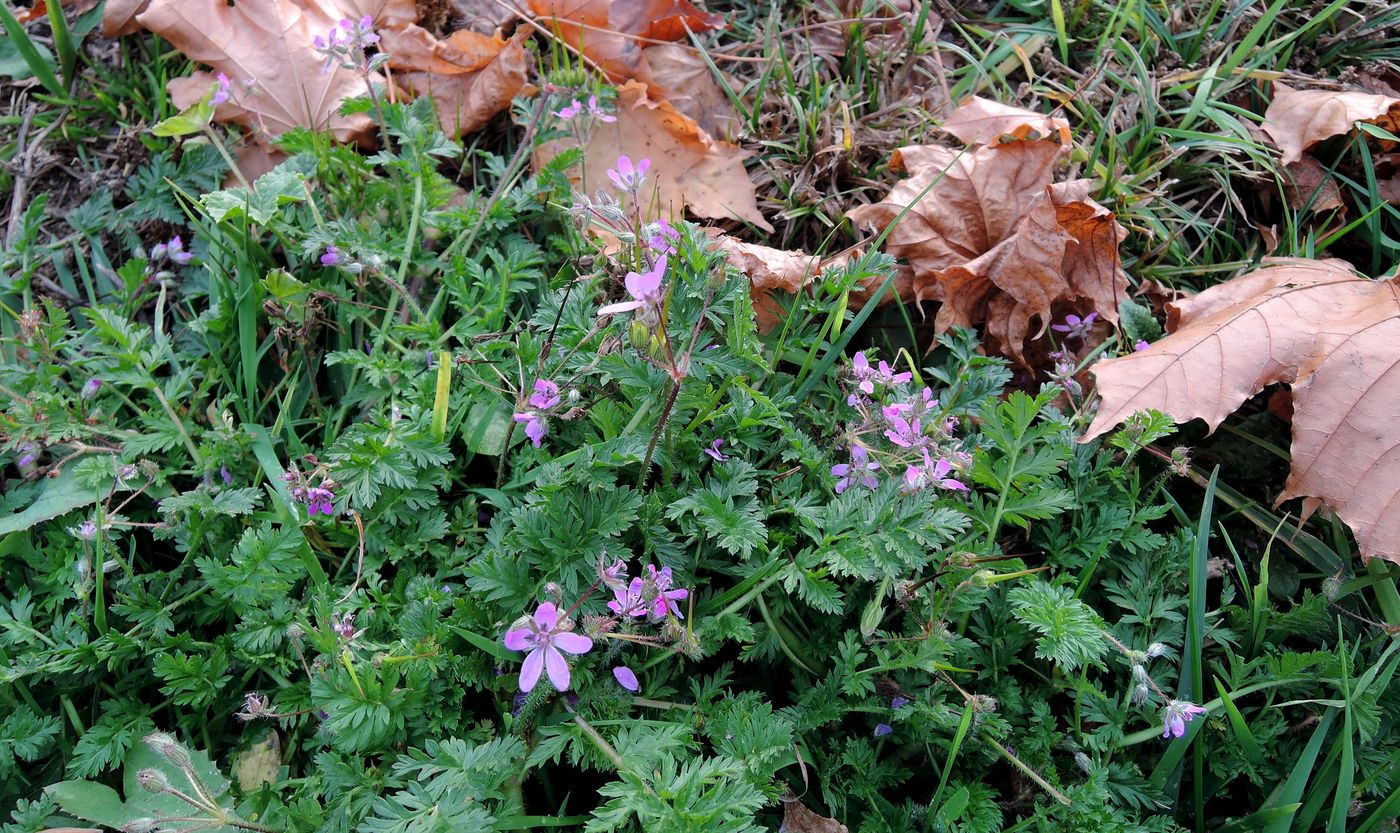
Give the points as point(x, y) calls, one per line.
point(119, 17)
point(981, 121)
point(268, 43)
point(688, 168)
point(768, 270)
point(1332, 335)
point(992, 237)
point(612, 33)
point(472, 78)
point(798, 819)
point(1298, 119)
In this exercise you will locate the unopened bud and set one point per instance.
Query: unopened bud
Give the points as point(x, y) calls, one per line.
point(166, 746)
point(153, 780)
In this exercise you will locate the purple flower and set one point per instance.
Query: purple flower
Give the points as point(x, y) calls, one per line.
point(884, 373)
point(90, 388)
point(1076, 327)
point(665, 598)
point(899, 702)
point(614, 575)
point(863, 373)
point(1176, 715)
point(882, 729)
point(29, 452)
point(546, 395)
point(344, 627)
point(629, 177)
point(222, 93)
point(331, 257)
point(713, 451)
point(663, 237)
point(87, 530)
point(1140, 346)
point(627, 601)
point(180, 257)
point(932, 473)
point(570, 112)
point(318, 499)
point(598, 112)
point(545, 638)
point(905, 433)
point(224, 475)
point(626, 678)
point(535, 426)
point(857, 471)
point(645, 289)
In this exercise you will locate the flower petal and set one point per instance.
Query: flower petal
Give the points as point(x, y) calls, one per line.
point(626, 678)
point(624, 306)
point(546, 616)
point(519, 640)
point(557, 668)
point(530, 671)
point(573, 643)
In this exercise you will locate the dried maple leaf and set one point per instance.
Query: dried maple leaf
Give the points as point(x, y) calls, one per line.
point(688, 168)
point(768, 270)
point(1298, 119)
point(267, 42)
point(468, 98)
point(991, 236)
point(612, 33)
point(1332, 335)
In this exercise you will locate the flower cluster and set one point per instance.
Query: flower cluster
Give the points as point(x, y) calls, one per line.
point(346, 45)
point(590, 110)
point(172, 250)
point(318, 499)
point(650, 594)
point(898, 429)
point(544, 400)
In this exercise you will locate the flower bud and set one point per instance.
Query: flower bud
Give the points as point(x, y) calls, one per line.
point(153, 780)
point(166, 746)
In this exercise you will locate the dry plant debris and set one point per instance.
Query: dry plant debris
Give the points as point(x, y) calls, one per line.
point(1330, 334)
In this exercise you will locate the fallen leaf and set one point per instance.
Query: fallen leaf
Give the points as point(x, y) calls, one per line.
point(798, 819)
point(1332, 335)
point(412, 48)
point(1298, 119)
point(386, 14)
point(688, 168)
point(269, 43)
point(483, 16)
point(119, 17)
point(259, 763)
point(981, 121)
point(679, 74)
point(768, 270)
point(612, 33)
point(467, 100)
point(1306, 184)
point(992, 237)
point(36, 11)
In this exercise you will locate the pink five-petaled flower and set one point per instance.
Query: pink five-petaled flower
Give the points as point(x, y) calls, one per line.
point(598, 112)
point(319, 499)
point(1076, 327)
point(863, 373)
point(571, 112)
point(932, 473)
point(331, 257)
point(659, 581)
point(664, 237)
point(887, 375)
point(645, 289)
point(627, 176)
point(1176, 715)
point(856, 471)
point(905, 433)
point(626, 678)
point(535, 426)
point(1140, 346)
point(545, 638)
point(714, 452)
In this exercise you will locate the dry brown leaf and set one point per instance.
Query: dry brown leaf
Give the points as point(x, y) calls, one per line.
point(688, 168)
point(768, 270)
point(995, 241)
point(1332, 335)
point(1307, 184)
point(798, 819)
point(981, 121)
point(386, 14)
point(679, 74)
point(1298, 119)
point(269, 43)
point(612, 33)
point(412, 48)
point(466, 101)
point(483, 16)
point(36, 11)
point(119, 17)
